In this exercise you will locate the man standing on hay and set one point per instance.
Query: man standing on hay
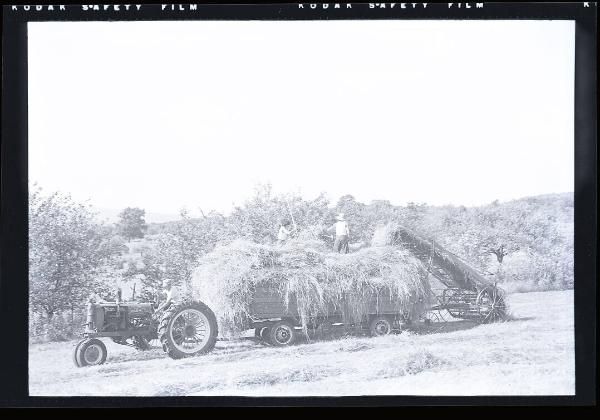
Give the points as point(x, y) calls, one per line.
point(342, 232)
point(284, 232)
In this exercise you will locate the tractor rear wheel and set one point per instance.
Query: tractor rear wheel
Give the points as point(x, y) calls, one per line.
point(90, 352)
point(187, 329)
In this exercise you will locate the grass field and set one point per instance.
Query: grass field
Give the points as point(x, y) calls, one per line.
point(533, 354)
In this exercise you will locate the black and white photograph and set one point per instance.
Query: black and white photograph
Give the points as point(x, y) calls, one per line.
point(301, 208)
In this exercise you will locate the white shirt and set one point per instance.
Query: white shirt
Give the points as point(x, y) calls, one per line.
point(173, 294)
point(283, 233)
point(341, 228)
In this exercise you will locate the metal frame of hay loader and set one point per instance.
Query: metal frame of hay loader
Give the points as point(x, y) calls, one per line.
point(467, 294)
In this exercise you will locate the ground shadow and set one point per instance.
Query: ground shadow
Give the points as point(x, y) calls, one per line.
point(136, 356)
point(520, 318)
point(423, 328)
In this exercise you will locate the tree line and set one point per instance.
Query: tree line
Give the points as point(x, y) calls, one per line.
point(527, 244)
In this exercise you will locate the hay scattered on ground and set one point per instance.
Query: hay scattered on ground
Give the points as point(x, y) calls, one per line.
point(310, 277)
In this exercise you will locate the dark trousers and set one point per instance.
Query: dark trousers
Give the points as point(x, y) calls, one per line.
point(341, 244)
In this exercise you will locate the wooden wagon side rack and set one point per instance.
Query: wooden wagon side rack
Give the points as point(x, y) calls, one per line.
point(278, 322)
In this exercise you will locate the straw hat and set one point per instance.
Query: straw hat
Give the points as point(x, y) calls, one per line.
point(340, 217)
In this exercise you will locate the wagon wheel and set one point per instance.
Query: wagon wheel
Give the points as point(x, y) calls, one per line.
point(281, 334)
point(262, 334)
point(380, 326)
point(491, 305)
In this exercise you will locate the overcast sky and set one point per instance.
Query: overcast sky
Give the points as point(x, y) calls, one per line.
point(163, 115)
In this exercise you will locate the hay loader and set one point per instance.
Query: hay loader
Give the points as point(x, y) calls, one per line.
point(465, 294)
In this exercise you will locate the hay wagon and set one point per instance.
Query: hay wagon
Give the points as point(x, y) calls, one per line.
point(458, 289)
point(279, 323)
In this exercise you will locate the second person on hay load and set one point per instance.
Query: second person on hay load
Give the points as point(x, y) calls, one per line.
point(342, 232)
point(284, 232)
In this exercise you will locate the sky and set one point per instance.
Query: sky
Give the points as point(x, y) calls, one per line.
point(166, 115)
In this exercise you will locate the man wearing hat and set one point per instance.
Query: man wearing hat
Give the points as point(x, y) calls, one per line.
point(284, 232)
point(341, 234)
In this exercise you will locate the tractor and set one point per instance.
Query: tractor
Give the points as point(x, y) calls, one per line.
point(185, 329)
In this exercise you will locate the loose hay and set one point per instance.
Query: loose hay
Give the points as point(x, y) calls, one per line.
point(310, 277)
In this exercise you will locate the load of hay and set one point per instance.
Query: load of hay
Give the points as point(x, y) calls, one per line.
point(311, 277)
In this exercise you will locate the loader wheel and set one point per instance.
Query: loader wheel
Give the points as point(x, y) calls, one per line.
point(491, 305)
point(281, 334)
point(379, 326)
point(187, 329)
point(90, 352)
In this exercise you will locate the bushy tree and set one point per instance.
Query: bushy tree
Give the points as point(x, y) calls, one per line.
point(258, 219)
point(172, 253)
point(132, 223)
point(68, 253)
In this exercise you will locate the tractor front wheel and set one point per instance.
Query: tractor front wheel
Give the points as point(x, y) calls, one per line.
point(76, 352)
point(90, 352)
point(187, 329)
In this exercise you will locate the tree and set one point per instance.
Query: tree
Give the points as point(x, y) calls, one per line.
point(132, 224)
point(258, 219)
point(68, 252)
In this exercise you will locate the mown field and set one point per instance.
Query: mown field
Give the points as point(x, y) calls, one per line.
point(533, 354)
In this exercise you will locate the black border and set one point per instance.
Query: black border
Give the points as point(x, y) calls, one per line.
point(13, 180)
